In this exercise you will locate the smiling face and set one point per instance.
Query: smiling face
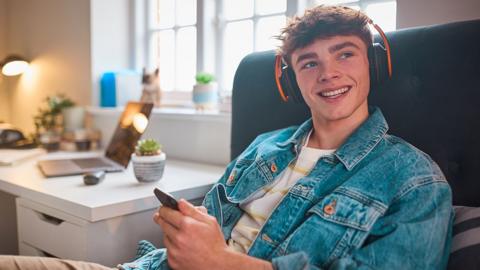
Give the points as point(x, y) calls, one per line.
point(333, 76)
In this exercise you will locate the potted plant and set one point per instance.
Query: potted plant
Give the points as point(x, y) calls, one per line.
point(148, 161)
point(48, 121)
point(205, 92)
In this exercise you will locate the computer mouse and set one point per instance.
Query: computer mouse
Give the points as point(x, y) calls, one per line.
point(93, 178)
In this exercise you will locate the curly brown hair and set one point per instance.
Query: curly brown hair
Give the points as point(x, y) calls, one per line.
point(323, 22)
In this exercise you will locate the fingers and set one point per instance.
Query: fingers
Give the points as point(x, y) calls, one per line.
point(168, 230)
point(189, 210)
point(202, 209)
point(156, 217)
point(170, 216)
point(176, 218)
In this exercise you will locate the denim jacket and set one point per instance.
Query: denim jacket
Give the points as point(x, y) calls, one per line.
point(375, 203)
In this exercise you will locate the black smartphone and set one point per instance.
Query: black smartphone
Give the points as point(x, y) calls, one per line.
point(166, 199)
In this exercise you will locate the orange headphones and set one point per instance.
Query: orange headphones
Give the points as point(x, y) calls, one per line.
point(379, 58)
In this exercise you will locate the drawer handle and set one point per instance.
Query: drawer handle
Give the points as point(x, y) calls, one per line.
point(50, 219)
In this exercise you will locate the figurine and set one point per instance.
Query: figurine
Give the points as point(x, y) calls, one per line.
point(151, 92)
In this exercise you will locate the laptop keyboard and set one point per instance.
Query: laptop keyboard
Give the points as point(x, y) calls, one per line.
point(86, 163)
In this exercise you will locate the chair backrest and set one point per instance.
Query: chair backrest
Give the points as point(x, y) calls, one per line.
point(432, 100)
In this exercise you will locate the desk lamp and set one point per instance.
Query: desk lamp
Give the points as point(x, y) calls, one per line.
point(14, 65)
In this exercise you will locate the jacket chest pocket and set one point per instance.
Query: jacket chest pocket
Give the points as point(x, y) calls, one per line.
point(340, 222)
point(241, 166)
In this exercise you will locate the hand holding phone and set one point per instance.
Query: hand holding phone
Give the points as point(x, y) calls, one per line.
point(166, 199)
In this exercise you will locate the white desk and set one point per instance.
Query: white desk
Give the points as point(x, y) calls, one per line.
point(101, 223)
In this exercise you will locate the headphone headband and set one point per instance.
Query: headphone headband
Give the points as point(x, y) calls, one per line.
point(387, 46)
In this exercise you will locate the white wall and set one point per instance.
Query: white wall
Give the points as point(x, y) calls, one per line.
point(55, 36)
point(4, 106)
point(112, 39)
point(411, 13)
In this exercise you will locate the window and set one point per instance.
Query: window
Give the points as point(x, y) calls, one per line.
point(189, 36)
point(247, 26)
point(173, 42)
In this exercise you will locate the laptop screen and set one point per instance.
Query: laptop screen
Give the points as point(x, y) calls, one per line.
point(131, 125)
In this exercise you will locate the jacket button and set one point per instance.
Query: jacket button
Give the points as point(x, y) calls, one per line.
point(273, 167)
point(329, 209)
point(231, 177)
point(266, 238)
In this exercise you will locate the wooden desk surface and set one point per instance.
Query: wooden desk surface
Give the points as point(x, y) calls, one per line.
point(118, 194)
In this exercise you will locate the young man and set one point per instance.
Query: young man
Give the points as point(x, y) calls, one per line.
point(337, 192)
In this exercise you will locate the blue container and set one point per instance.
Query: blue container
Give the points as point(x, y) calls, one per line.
point(108, 93)
point(119, 87)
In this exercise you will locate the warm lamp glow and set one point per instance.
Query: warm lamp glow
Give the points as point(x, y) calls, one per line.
point(14, 65)
point(140, 122)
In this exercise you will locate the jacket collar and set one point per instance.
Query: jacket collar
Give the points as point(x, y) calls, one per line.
point(363, 139)
point(358, 144)
point(298, 135)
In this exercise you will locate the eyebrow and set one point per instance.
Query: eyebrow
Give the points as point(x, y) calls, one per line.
point(306, 56)
point(332, 49)
point(338, 47)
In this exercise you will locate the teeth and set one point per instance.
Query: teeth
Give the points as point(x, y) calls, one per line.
point(334, 92)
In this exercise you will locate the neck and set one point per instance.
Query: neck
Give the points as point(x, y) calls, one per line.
point(332, 134)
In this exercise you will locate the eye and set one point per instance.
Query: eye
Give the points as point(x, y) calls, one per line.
point(345, 55)
point(308, 65)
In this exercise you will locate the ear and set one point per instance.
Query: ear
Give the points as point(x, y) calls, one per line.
point(144, 75)
point(157, 71)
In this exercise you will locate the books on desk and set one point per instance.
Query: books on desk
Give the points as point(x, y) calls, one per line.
point(10, 157)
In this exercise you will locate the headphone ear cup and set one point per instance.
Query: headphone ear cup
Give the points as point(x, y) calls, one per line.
point(289, 84)
point(285, 83)
point(293, 89)
point(377, 57)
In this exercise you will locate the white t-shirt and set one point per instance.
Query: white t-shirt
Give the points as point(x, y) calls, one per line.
point(259, 207)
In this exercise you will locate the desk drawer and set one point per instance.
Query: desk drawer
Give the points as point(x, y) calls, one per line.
point(50, 232)
point(27, 250)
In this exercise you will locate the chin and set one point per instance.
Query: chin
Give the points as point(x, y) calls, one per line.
point(338, 114)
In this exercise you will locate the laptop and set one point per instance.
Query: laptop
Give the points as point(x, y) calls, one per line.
point(130, 127)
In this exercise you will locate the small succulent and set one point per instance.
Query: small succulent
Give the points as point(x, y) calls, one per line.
point(204, 78)
point(148, 147)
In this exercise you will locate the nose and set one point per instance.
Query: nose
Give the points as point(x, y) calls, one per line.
point(328, 72)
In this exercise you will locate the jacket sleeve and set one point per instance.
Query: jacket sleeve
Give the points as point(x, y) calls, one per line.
point(415, 233)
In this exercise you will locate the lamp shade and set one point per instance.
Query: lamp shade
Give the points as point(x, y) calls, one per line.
point(14, 65)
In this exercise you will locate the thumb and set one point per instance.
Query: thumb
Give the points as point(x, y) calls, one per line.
point(188, 209)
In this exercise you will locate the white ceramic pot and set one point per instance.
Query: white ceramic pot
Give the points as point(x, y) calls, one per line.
point(205, 95)
point(148, 168)
point(73, 118)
